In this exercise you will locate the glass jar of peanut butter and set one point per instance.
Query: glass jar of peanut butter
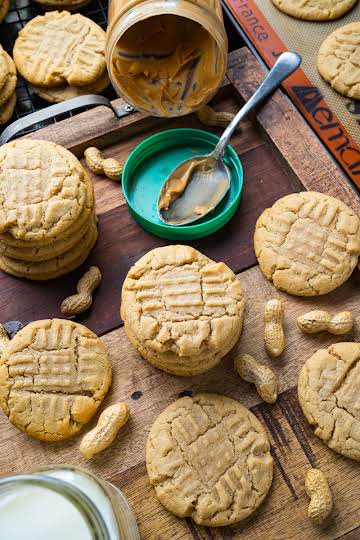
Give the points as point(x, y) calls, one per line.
point(166, 57)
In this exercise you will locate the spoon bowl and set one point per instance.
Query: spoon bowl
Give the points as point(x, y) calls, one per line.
point(196, 186)
point(207, 186)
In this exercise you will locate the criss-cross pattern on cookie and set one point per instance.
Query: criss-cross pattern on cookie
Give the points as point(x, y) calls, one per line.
point(59, 48)
point(53, 376)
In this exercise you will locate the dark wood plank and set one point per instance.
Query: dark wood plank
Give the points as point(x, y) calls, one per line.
point(122, 242)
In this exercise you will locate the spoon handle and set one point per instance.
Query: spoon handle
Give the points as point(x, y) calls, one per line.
point(285, 65)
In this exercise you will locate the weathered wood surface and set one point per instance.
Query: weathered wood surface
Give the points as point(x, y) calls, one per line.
point(278, 151)
point(294, 447)
point(122, 241)
point(280, 155)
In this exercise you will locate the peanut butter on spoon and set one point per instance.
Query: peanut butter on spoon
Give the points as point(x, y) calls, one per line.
point(177, 184)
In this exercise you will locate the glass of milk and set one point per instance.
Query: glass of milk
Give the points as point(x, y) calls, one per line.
point(64, 503)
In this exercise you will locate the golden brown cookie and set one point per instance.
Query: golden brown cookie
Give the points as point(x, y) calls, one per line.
point(4, 8)
point(338, 60)
point(8, 89)
point(62, 93)
point(329, 390)
point(83, 219)
point(55, 267)
point(44, 190)
point(182, 311)
point(307, 243)
point(7, 109)
point(208, 458)
point(53, 376)
point(4, 67)
point(49, 251)
point(315, 10)
point(60, 48)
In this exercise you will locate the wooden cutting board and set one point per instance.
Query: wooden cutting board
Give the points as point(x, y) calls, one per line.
point(280, 155)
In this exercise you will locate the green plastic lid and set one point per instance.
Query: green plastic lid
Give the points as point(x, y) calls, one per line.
point(148, 166)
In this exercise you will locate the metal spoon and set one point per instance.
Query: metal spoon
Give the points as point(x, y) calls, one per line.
point(208, 178)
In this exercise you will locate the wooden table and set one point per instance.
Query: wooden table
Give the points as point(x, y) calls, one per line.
point(280, 155)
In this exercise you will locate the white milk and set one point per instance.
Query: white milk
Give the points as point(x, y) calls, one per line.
point(38, 513)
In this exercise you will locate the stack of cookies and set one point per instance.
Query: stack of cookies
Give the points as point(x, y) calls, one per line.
point(7, 85)
point(182, 311)
point(47, 218)
point(62, 56)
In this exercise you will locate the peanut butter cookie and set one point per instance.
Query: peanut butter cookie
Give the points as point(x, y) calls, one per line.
point(8, 89)
point(87, 214)
point(315, 10)
point(7, 109)
point(60, 48)
point(307, 243)
point(182, 311)
point(338, 60)
point(208, 458)
point(62, 93)
point(4, 69)
point(329, 390)
point(35, 253)
point(43, 188)
point(55, 267)
point(53, 376)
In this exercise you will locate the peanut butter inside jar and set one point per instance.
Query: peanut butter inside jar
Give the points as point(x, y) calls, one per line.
point(164, 57)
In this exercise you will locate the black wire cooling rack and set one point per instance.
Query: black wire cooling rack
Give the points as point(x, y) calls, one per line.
point(21, 12)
